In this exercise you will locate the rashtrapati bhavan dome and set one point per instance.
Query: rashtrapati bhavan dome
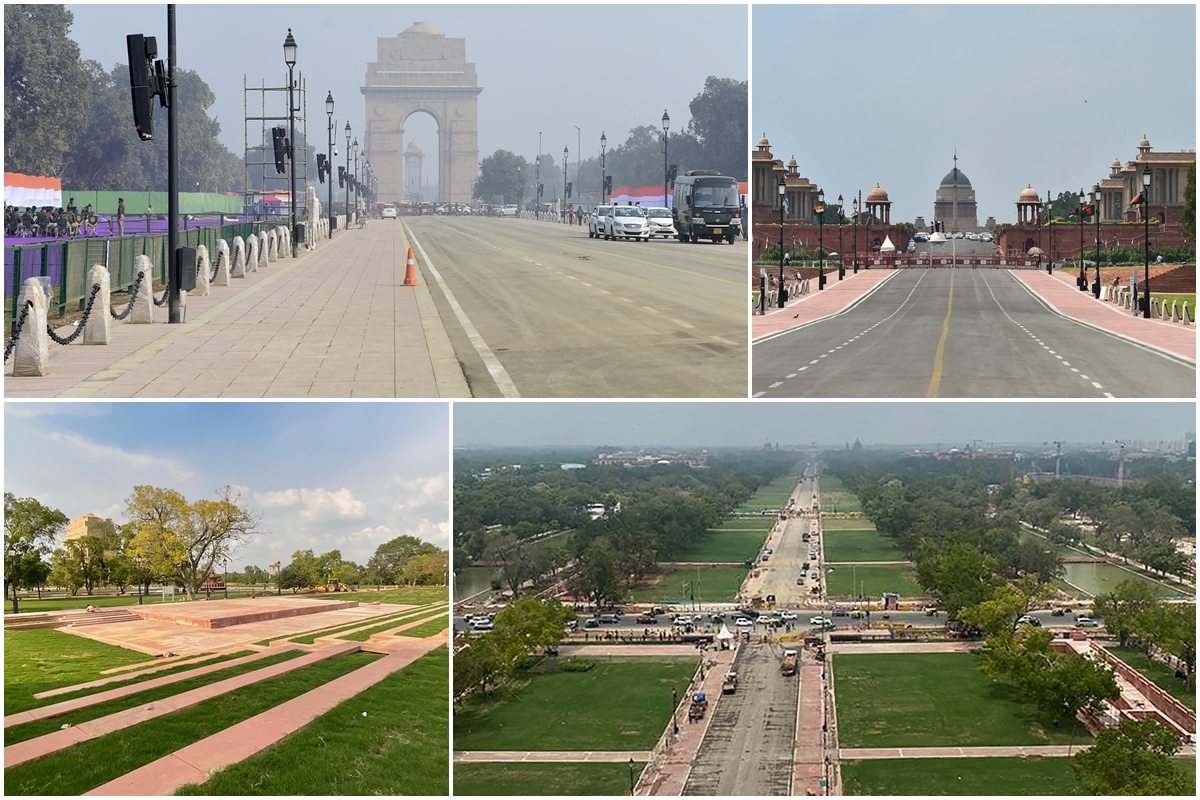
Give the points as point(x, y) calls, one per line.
point(954, 203)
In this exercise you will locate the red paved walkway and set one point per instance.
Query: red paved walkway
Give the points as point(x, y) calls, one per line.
point(194, 763)
point(60, 740)
point(819, 304)
point(1082, 306)
point(808, 764)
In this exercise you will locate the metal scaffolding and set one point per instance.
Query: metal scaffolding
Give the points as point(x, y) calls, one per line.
point(260, 157)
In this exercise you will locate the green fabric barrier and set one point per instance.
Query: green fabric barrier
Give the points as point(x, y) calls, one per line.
point(136, 202)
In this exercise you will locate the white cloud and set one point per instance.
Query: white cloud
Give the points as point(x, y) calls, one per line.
point(341, 503)
point(109, 455)
point(288, 497)
point(19, 410)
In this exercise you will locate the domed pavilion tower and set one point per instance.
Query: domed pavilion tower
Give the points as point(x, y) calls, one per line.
point(954, 203)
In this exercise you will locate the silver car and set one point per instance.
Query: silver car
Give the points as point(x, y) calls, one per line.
point(596, 221)
point(661, 223)
point(626, 222)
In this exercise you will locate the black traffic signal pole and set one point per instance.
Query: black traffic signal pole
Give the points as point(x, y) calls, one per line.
point(174, 267)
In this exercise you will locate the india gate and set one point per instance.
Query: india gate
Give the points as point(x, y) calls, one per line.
point(420, 70)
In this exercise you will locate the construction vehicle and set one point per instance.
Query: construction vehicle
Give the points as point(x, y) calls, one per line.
point(790, 661)
point(730, 684)
point(334, 586)
point(699, 707)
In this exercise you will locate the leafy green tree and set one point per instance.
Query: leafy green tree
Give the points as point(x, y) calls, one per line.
point(30, 529)
point(1134, 758)
point(502, 173)
point(536, 623)
point(599, 577)
point(389, 558)
point(1187, 215)
point(958, 576)
point(997, 614)
point(294, 577)
point(719, 122)
point(45, 89)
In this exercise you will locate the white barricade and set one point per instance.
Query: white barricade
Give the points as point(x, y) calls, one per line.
point(32, 356)
point(143, 304)
point(98, 329)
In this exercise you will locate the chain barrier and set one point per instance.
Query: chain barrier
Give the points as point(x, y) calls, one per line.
point(87, 312)
point(163, 302)
point(17, 331)
point(133, 293)
point(216, 267)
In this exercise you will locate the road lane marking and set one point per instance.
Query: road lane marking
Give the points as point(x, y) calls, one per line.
point(936, 380)
point(503, 382)
point(683, 324)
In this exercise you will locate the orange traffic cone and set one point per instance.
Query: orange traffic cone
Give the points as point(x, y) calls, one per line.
point(410, 274)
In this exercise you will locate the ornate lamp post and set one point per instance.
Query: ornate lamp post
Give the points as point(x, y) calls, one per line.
point(1096, 219)
point(355, 184)
point(1050, 225)
point(563, 217)
point(666, 123)
point(537, 187)
point(856, 212)
point(821, 239)
point(841, 259)
point(603, 144)
point(225, 578)
point(347, 182)
point(289, 57)
point(782, 193)
point(329, 159)
point(1083, 284)
point(1146, 226)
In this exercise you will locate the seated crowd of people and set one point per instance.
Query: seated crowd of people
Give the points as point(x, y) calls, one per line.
point(49, 222)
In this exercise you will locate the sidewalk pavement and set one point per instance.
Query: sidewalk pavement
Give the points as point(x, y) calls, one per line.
point(1060, 292)
point(818, 304)
point(336, 322)
point(194, 763)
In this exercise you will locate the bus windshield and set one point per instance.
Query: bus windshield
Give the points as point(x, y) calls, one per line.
point(715, 195)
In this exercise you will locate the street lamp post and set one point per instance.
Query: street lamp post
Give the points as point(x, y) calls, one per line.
point(355, 184)
point(289, 57)
point(1083, 284)
point(1146, 226)
point(841, 259)
point(347, 174)
point(821, 239)
point(138, 561)
point(631, 776)
point(666, 123)
point(674, 708)
point(11, 553)
point(856, 211)
point(1050, 226)
point(329, 158)
point(563, 216)
point(537, 187)
point(782, 192)
point(603, 145)
point(1096, 219)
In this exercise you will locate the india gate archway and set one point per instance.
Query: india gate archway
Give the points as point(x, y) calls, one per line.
point(420, 70)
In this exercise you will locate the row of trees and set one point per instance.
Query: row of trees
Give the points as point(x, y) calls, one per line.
point(715, 138)
point(1133, 613)
point(404, 560)
point(529, 625)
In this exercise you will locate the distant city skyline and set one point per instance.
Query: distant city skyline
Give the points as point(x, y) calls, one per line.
point(1025, 94)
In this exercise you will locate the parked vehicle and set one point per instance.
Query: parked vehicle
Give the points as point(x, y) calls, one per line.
point(661, 223)
point(1028, 620)
point(699, 707)
point(596, 221)
point(791, 661)
point(626, 222)
point(389, 211)
point(1086, 622)
point(743, 622)
point(707, 206)
point(730, 684)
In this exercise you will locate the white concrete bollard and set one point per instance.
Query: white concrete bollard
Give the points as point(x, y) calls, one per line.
point(32, 356)
point(99, 325)
point(238, 267)
point(285, 242)
point(272, 245)
point(203, 271)
point(1186, 314)
point(252, 253)
point(222, 276)
point(143, 304)
point(263, 261)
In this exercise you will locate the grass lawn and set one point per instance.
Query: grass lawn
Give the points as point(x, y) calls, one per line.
point(40, 660)
point(1157, 672)
point(932, 700)
point(725, 546)
point(860, 545)
point(80, 602)
point(838, 502)
point(597, 779)
point(387, 621)
point(848, 581)
point(364, 635)
point(94, 762)
point(850, 524)
point(960, 776)
point(715, 584)
point(427, 629)
point(405, 595)
point(30, 730)
point(1189, 298)
point(619, 704)
point(763, 524)
point(400, 748)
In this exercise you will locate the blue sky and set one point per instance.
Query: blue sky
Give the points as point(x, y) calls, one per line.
point(324, 475)
point(682, 424)
point(1041, 94)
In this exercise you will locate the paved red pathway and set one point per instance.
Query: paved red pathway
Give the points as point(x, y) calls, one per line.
point(817, 304)
point(194, 763)
point(808, 763)
point(1082, 306)
point(61, 739)
point(125, 674)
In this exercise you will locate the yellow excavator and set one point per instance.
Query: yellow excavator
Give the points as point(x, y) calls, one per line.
point(334, 586)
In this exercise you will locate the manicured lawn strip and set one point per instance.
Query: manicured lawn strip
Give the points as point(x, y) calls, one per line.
point(619, 704)
point(839, 503)
point(752, 524)
point(403, 596)
point(400, 748)
point(41, 660)
point(848, 580)
point(1159, 673)
point(592, 778)
point(310, 638)
point(55, 605)
point(848, 524)
point(364, 635)
point(716, 584)
point(430, 628)
point(725, 547)
point(30, 730)
point(935, 700)
point(959, 776)
point(97, 761)
point(860, 545)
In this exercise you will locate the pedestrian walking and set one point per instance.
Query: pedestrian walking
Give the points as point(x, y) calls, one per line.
point(120, 216)
point(149, 215)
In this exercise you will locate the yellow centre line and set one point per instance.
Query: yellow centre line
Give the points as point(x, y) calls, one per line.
point(941, 349)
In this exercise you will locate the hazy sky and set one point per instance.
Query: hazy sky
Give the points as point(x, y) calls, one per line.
point(676, 424)
point(1041, 94)
point(542, 68)
point(325, 475)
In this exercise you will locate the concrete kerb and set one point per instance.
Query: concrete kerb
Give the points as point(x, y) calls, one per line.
point(844, 310)
point(447, 371)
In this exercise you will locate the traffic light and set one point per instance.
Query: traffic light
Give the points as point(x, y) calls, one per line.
point(540, 187)
point(569, 185)
point(146, 79)
point(341, 177)
point(608, 184)
point(322, 167)
point(279, 141)
point(673, 172)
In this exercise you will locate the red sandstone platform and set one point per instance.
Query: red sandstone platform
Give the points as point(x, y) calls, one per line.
point(224, 613)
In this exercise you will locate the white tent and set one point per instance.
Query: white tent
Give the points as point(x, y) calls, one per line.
point(887, 246)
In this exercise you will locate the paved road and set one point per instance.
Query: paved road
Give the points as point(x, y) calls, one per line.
point(791, 551)
point(748, 749)
point(544, 311)
point(960, 333)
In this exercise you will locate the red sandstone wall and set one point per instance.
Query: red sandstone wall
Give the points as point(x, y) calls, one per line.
point(1066, 237)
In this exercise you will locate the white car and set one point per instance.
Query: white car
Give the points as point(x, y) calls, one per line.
point(626, 222)
point(682, 620)
point(787, 615)
point(743, 622)
point(596, 221)
point(509, 210)
point(661, 223)
point(389, 211)
point(481, 624)
point(820, 621)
